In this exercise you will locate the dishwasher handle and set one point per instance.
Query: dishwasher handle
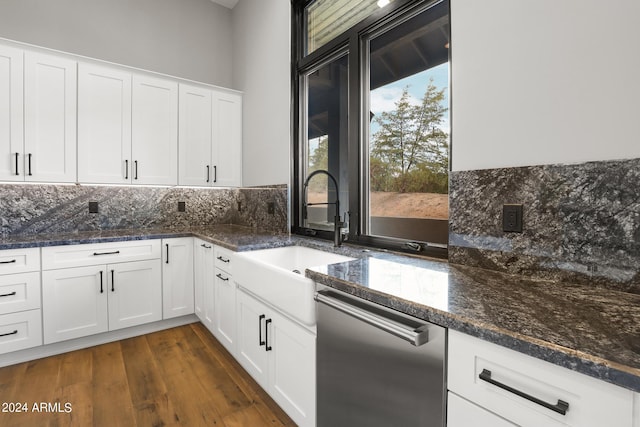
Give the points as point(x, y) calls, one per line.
point(415, 336)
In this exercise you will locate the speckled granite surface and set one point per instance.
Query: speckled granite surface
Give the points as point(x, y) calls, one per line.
point(588, 329)
point(581, 222)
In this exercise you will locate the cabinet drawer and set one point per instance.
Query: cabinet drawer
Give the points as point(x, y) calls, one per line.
point(19, 292)
point(20, 330)
point(462, 413)
point(55, 257)
point(19, 260)
point(224, 259)
point(586, 397)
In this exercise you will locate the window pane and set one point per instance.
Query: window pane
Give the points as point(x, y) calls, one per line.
point(326, 19)
point(326, 144)
point(409, 129)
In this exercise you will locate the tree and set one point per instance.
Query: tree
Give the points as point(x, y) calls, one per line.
point(409, 153)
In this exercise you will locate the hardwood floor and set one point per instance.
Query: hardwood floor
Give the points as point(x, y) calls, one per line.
point(180, 376)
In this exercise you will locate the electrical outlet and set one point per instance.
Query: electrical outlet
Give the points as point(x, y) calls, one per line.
point(512, 218)
point(93, 207)
point(182, 206)
point(271, 208)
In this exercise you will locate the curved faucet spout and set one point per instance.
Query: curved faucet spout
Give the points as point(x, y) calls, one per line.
point(337, 223)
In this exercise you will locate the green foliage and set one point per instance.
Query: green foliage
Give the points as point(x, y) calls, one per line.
point(409, 153)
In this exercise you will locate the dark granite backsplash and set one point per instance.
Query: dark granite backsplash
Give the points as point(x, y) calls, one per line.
point(581, 222)
point(44, 208)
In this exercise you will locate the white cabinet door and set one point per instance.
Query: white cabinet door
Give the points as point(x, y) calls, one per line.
point(227, 139)
point(154, 131)
point(225, 310)
point(292, 368)
point(50, 118)
point(251, 344)
point(461, 413)
point(74, 303)
point(204, 282)
point(11, 106)
point(195, 136)
point(135, 293)
point(177, 277)
point(104, 125)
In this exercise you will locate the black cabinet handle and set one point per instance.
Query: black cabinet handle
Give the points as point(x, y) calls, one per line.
point(10, 294)
point(208, 174)
point(222, 259)
point(221, 277)
point(266, 335)
point(135, 163)
point(106, 253)
point(561, 407)
point(101, 283)
point(8, 262)
point(29, 164)
point(215, 174)
point(167, 245)
point(205, 246)
point(126, 169)
point(17, 154)
point(10, 333)
point(113, 280)
point(262, 316)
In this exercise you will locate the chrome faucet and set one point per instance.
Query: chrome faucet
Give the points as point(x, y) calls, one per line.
point(337, 223)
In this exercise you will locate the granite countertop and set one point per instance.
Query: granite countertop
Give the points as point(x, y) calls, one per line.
point(584, 328)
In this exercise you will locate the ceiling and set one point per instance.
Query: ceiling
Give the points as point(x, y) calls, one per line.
point(226, 3)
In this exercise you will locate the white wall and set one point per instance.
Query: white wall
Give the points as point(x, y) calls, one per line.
point(545, 81)
point(261, 68)
point(183, 38)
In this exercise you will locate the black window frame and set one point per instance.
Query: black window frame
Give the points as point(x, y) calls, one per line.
point(353, 41)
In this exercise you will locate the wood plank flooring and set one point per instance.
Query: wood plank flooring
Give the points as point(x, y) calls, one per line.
point(177, 377)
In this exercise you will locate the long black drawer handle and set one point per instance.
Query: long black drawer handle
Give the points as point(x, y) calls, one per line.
point(17, 173)
point(10, 294)
point(561, 407)
point(223, 259)
point(106, 253)
point(8, 262)
point(221, 277)
point(260, 341)
point(9, 333)
point(205, 246)
point(266, 335)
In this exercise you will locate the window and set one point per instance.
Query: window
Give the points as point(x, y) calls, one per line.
point(373, 113)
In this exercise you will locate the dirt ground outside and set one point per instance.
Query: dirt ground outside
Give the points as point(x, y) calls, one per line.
point(403, 205)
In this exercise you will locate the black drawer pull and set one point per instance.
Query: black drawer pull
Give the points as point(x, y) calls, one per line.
point(561, 407)
point(205, 246)
point(223, 259)
point(29, 165)
point(101, 283)
point(9, 333)
point(17, 155)
point(106, 253)
point(260, 341)
point(8, 262)
point(10, 294)
point(113, 282)
point(221, 277)
point(167, 245)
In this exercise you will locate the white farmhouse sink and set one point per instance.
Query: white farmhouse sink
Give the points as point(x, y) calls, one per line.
point(277, 276)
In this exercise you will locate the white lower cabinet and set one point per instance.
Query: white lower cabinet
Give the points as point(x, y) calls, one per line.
point(177, 277)
point(527, 391)
point(280, 355)
point(204, 282)
point(108, 295)
point(224, 302)
point(462, 413)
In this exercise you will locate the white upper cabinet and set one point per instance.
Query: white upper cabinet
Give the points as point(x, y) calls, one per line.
point(11, 105)
point(210, 137)
point(104, 125)
point(195, 136)
point(227, 139)
point(154, 131)
point(49, 118)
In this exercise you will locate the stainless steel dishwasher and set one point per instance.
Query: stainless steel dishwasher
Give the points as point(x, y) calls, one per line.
point(376, 366)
